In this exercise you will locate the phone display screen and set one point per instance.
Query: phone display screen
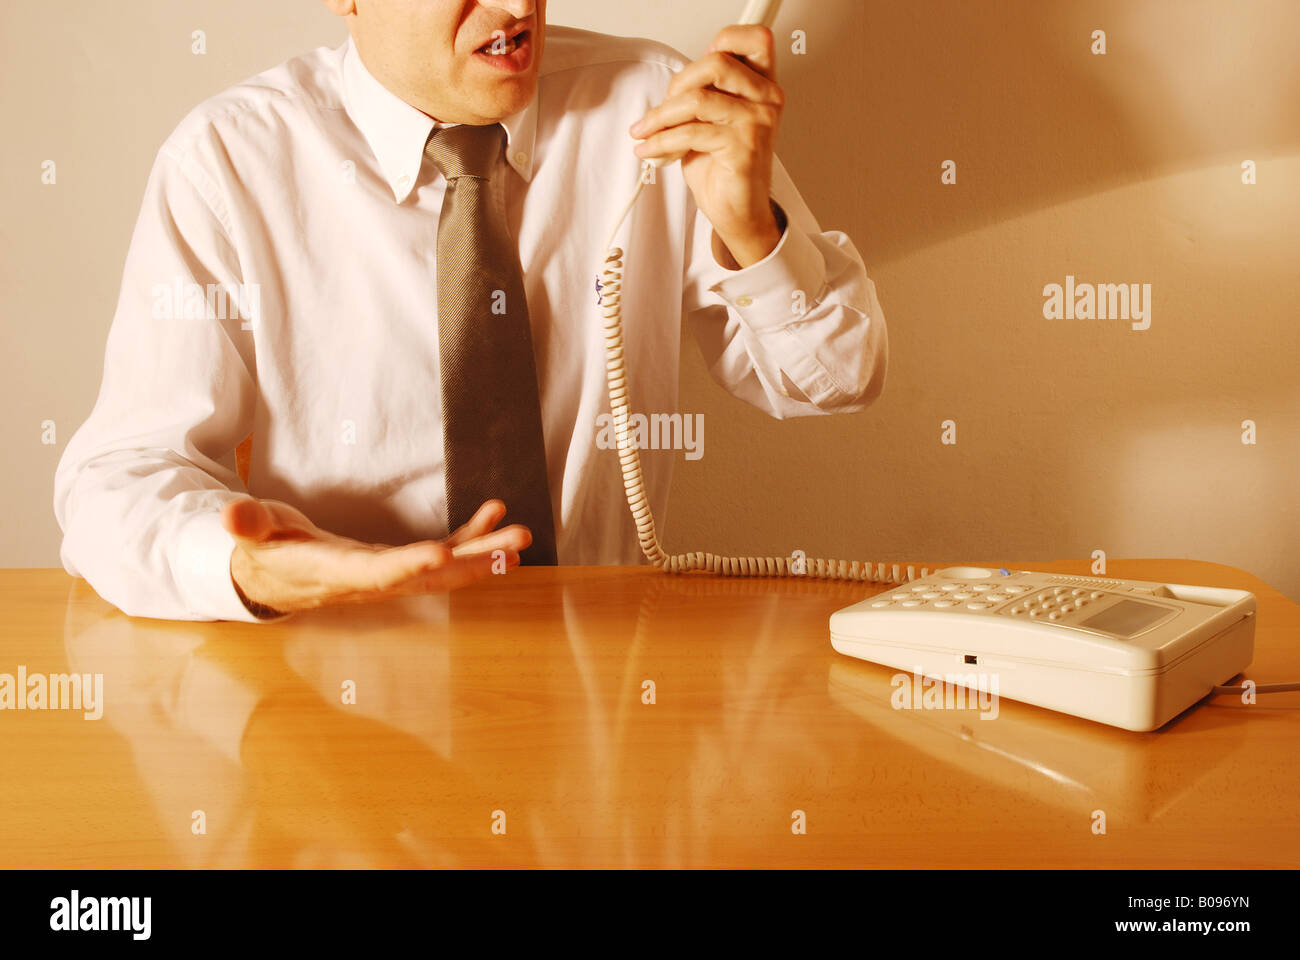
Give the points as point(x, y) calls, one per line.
point(1126, 618)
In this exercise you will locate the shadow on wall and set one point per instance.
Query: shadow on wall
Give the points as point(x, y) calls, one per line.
point(1119, 166)
point(1012, 92)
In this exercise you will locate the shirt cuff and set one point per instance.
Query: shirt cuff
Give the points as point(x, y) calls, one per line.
point(202, 571)
point(764, 293)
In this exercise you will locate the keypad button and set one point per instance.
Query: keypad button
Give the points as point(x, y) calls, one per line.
point(881, 603)
point(1097, 595)
point(1054, 615)
point(964, 595)
point(944, 603)
point(1078, 593)
point(1066, 608)
point(919, 588)
point(932, 594)
point(1035, 613)
point(900, 596)
point(1012, 588)
point(949, 587)
point(978, 606)
point(996, 596)
point(982, 587)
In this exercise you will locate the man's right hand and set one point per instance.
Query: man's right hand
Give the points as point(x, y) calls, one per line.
point(285, 562)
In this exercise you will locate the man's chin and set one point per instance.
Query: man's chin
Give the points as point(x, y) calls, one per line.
point(494, 107)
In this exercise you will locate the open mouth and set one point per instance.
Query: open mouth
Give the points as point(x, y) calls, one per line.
point(504, 46)
point(510, 56)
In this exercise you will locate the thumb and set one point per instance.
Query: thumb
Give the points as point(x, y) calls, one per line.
point(247, 519)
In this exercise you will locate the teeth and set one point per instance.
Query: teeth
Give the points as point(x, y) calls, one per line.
point(500, 49)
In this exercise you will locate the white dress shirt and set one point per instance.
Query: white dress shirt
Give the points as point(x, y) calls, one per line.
point(308, 186)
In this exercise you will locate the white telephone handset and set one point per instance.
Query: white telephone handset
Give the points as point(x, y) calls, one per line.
point(610, 284)
point(757, 12)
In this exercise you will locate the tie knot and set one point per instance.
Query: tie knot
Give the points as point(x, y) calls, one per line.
point(465, 151)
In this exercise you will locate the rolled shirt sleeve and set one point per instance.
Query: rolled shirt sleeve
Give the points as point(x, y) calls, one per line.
point(799, 333)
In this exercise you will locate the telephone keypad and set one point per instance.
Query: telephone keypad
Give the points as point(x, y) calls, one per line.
point(1052, 603)
point(1036, 602)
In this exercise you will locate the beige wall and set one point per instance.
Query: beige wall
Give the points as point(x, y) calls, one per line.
point(1073, 435)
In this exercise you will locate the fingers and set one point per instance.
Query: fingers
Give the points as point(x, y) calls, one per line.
point(287, 517)
point(701, 137)
point(755, 43)
point(362, 569)
point(485, 519)
point(461, 572)
point(476, 536)
point(513, 538)
point(247, 519)
point(293, 565)
point(458, 572)
point(709, 106)
point(720, 89)
point(721, 72)
point(752, 78)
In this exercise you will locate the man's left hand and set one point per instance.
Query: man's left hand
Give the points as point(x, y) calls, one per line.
point(722, 113)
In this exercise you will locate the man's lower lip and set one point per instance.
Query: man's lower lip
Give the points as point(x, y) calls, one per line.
point(517, 61)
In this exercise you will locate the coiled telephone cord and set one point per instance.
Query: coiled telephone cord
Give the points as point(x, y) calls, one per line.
point(611, 287)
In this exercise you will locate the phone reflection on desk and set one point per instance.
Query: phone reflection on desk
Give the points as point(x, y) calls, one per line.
point(1064, 761)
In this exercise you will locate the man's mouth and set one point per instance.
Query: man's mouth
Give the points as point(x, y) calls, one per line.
point(501, 45)
point(509, 55)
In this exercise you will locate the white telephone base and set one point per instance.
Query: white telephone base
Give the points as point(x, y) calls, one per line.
point(1128, 653)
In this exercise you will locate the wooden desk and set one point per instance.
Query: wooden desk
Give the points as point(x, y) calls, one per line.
point(524, 695)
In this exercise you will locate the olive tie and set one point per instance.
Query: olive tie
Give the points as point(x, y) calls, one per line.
point(491, 411)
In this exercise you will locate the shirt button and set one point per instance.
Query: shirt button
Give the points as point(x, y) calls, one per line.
point(521, 157)
point(403, 181)
point(744, 301)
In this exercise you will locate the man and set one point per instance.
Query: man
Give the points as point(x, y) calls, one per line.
point(409, 227)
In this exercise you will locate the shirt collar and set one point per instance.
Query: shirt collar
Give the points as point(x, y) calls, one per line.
point(397, 132)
